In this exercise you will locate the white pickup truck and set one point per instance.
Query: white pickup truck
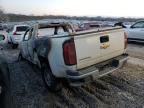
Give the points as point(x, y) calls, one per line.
point(78, 57)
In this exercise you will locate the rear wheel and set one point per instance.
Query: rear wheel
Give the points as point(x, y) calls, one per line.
point(14, 46)
point(49, 79)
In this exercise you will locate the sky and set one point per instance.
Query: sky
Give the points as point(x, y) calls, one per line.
point(110, 8)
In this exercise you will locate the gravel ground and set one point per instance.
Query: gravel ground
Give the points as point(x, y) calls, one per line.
point(136, 50)
point(121, 89)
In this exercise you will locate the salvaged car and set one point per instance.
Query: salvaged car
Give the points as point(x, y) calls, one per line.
point(3, 39)
point(77, 57)
point(15, 34)
point(136, 32)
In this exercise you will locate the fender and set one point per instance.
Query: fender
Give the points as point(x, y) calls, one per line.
point(42, 46)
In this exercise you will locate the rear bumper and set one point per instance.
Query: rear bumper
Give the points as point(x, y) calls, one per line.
point(77, 77)
point(15, 40)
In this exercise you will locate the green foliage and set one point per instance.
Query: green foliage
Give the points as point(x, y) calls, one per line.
point(3, 16)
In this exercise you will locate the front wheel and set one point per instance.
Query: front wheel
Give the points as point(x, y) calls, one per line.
point(49, 79)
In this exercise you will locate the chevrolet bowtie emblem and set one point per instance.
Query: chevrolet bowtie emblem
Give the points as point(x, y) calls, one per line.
point(104, 46)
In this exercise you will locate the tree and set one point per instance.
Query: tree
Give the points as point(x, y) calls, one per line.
point(3, 16)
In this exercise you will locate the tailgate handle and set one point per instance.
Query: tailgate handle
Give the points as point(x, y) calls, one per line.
point(104, 39)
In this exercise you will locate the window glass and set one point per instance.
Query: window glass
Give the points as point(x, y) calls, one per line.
point(46, 31)
point(30, 32)
point(26, 35)
point(70, 29)
point(139, 25)
point(60, 30)
point(22, 28)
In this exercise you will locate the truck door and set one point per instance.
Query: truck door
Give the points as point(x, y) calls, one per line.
point(30, 44)
point(24, 44)
point(27, 44)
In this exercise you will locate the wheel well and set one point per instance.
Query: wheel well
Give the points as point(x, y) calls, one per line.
point(44, 60)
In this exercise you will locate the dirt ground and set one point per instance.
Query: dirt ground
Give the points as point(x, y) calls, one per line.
point(121, 89)
point(136, 50)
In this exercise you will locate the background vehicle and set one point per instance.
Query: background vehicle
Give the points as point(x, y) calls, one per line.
point(120, 24)
point(75, 56)
point(136, 32)
point(15, 34)
point(3, 38)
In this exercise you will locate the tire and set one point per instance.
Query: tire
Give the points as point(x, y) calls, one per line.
point(50, 80)
point(20, 57)
point(14, 46)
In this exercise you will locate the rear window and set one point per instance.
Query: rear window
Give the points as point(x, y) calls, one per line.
point(22, 28)
point(2, 37)
point(46, 31)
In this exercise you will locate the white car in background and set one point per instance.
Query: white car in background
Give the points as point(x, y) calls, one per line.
point(15, 34)
point(136, 32)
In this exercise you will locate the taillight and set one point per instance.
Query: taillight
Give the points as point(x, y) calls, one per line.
point(15, 33)
point(125, 40)
point(69, 52)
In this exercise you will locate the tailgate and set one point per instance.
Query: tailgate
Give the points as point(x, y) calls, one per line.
point(92, 48)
